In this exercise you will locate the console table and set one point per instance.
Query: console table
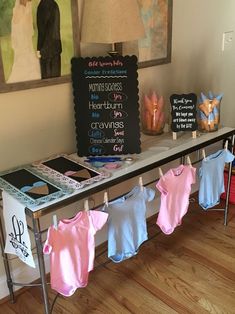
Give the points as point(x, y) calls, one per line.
point(156, 151)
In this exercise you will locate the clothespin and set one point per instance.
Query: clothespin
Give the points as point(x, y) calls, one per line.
point(141, 184)
point(203, 153)
point(106, 199)
point(226, 145)
point(86, 205)
point(161, 173)
point(189, 161)
point(55, 223)
point(194, 134)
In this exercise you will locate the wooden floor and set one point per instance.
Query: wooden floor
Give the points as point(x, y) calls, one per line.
point(190, 271)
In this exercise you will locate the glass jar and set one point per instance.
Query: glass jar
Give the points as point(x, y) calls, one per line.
point(153, 124)
point(153, 116)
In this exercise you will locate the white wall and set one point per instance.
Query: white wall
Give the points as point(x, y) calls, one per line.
point(39, 122)
point(36, 123)
point(198, 63)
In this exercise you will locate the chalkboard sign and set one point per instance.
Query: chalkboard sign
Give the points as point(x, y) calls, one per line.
point(183, 111)
point(106, 105)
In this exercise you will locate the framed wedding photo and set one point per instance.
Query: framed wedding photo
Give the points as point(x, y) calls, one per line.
point(31, 53)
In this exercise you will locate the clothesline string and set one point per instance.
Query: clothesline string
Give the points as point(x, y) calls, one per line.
point(105, 202)
point(113, 199)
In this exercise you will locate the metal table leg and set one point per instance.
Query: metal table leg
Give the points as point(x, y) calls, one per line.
point(38, 241)
point(228, 187)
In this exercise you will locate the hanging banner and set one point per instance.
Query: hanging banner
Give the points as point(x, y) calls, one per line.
point(17, 236)
point(106, 105)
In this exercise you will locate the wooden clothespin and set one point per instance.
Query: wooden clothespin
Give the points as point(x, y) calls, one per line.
point(106, 199)
point(174, 136)
point(189, 161)
point(141, 184)
point(55, 222)
point(86, 205)
point(226, 145)
point(203, 153)
point(194, 134)
point(161, 173)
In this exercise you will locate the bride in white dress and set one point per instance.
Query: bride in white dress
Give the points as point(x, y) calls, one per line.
point(26, 66)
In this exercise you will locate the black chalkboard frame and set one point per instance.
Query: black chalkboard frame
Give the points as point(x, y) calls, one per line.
point(127, 81)
point(183, 112)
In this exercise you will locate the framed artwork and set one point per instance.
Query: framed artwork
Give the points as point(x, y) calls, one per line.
point(29, 57)
point(31, 188)
point(70, 172)
point(155, 47)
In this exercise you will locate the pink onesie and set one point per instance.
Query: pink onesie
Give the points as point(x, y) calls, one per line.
point(72, 250)
point(175, 188)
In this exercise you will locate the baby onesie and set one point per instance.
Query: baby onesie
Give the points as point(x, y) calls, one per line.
point(127, 228)
point(72, 250)
point(175, 188)
point(211, 176)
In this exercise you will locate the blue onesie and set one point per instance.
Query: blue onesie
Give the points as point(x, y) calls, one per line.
point(211, 176)
point(127, 228)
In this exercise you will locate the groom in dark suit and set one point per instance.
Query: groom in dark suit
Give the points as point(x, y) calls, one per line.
point(49, 42)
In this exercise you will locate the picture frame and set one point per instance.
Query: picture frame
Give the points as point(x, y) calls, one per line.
point(69, 171)
point(31, 188)
point(155, 47)
point(69, 31)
